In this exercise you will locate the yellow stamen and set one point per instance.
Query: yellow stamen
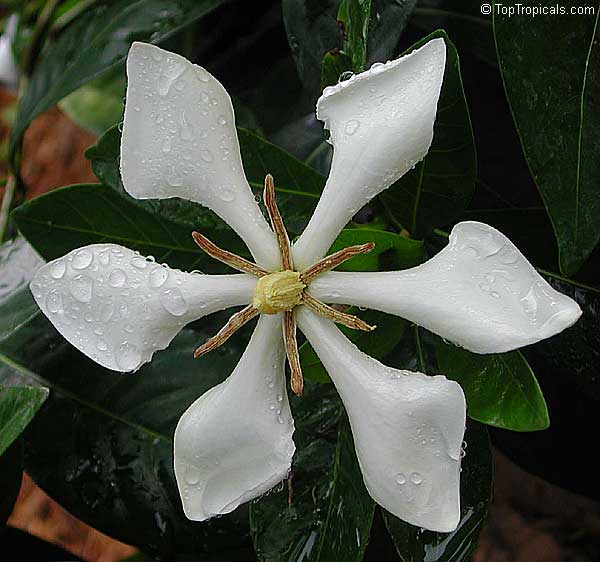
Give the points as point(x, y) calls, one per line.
point(278, 291)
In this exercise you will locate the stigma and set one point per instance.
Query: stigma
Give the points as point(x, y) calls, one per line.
point(278, 292)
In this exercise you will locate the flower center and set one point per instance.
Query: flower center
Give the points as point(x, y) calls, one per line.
point(278, 292)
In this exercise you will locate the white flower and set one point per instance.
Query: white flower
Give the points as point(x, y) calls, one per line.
point(235, 442)
point(9, 75)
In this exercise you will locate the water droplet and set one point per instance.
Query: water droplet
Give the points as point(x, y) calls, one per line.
point(117, 278)
point(495, 294)
point(101, 345)
point(345, 76)
point(485, 288)
point(82, 259)
point(206, 155)
point(400, 479)
point(166, 145)
point(139, 262)
point(81, 288)
point(530, 302)
point(328, 91)
point(54, 302)
point(58, 269)
point(352, 126)
point(203, 76)
point(104, 257)
point(172, 72)
point(377, 67)
point(416, 478)
point(128, 356)
point(204, 97)
point(185, 132)
point(157, 277)
point(226, 195)
point(156, 55)
point(222, 120)
point(192, 476)
point(174, 302)
point(180, 85)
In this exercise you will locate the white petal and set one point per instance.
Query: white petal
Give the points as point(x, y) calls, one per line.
point(179, 140)
point(408, 428)
point(478, 292)
point(9, 74)
point(119, 308)
point(235, 442)
point(381, 125)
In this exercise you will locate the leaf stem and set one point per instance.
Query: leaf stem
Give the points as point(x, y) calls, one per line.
point(7, 198)
point(69, 16)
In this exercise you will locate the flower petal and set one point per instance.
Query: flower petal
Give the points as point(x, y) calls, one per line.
point(179, 140)
point(478, 292)
point(119, 308)
point(408, 428)
point(381, 125)
point(235, 442)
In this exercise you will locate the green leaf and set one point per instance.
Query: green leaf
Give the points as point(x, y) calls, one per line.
point(325, 513)
point(354, 17)
point(417, 545)
point(577, 350)
point(386, 27)
point(97, 105)
point(501, 389)
point(298, 186)
point(11, 472)
point(440, 187)
point(18, 406)
point(335, 63)
point(102, 444)
point(97, 42)
point(471, 31)
point(377, 343)
point(70, 217)
point(312, 31)
point(551, 71)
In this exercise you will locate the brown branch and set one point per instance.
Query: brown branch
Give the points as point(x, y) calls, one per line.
point(333, 260)
point(232, 260)
point(330, 313)
point(291, 349)
point(277, 223)
point(233, 324)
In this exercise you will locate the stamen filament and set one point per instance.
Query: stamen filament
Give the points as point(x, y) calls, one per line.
point(277, 223)
point(233, 324)
point(333, 260)
point(331, 313)
point(231, 259)
point(291, 349)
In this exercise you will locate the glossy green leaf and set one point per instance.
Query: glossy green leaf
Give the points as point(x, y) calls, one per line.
point(390, 18)
point(97, 42)
point(335, 63)
point(74, 216)
point(500, 388)
point(298, 186)
point(577, 350)
point(97, 105)
point(418, 545)
point(18, 406)
point(11, 472)
point(551, 71)
point(102, 445)
point(440, 187)
point(354, 17)
point(312, 31)
point(325, 512)
point(377, 343)
point(471, 31)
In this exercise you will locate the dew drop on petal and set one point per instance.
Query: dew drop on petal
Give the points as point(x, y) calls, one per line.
point(54, 302)
point(351, 127)
point(117, 278)
point(82, 259)
point(416, 478)
point(206, 155)
point(139, 262)
point(128, 356)
point(174, 302)
point(58, 269)
point(81, 288)
point(400, 479)
point(192, 476)
point(158, 277)
point(226, 194)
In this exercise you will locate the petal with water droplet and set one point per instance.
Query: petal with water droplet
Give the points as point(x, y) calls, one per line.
point(119, 309)
point(408, 428)
point(381, 125)
point(178, 122)
point(479, 292)
point(235, 442)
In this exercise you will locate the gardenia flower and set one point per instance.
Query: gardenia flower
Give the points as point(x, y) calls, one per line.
point(235, 442)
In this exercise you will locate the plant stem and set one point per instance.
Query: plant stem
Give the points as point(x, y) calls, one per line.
point(68, 17)
point(7, 198)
